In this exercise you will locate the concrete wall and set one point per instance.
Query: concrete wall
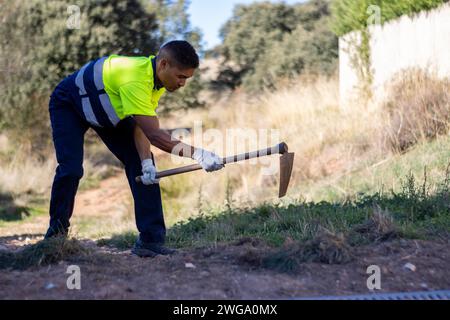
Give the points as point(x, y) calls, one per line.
point(420, 41)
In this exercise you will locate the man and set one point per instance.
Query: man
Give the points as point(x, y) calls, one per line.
point(117, 96)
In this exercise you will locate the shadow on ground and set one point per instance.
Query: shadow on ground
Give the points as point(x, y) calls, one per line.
point(10, 211)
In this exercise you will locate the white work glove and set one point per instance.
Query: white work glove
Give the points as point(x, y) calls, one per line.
point(149, 172)
point(208, 160)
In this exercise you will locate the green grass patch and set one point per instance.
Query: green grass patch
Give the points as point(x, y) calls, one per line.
point(123, 241)
point(416, 211)
point(14, 213)
point(406, 196)
point(432, 157)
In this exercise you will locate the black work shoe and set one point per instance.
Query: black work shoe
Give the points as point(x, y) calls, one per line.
point(150, 250)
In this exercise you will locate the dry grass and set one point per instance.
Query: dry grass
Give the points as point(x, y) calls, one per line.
point(418, 108)
point(329, 141)
point(379, 227)
point(326, 138)
point(22, 173)
point(43, 253)
point(326, 247)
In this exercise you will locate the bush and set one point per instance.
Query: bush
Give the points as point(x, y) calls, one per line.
point(302, 51)
point(351, 15)
point(417, 107)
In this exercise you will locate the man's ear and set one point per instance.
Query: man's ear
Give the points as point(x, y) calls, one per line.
point(164, 63)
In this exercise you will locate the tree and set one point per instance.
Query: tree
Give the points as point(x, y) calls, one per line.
point(174, 24)
point(302, 51)
point(40, 44)
point(268, 41)
point(252, 28)
point(173, 19)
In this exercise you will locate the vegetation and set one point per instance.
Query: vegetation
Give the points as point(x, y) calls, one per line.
point(418, 108)
point(324, 232)
point(43, 253)
point(413, 209)
point(264, 42)
point(42, 42)
point(351, 15)
point(345, 173)
point(362, 175)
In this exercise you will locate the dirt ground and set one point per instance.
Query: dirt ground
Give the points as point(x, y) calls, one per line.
point(221, 272)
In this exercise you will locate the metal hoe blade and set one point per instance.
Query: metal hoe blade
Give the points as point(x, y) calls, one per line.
point(286, 164)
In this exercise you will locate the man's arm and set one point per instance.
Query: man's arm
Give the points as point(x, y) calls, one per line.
point(149, 127)
point(142, 144)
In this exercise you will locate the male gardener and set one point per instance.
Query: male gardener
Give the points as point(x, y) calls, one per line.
point(117, 96)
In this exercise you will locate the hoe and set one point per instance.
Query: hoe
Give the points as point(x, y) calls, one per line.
point(286, 164)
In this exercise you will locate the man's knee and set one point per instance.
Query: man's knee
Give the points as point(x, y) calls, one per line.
point(70, 172)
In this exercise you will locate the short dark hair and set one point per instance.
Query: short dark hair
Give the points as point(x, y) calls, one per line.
point(180, 52)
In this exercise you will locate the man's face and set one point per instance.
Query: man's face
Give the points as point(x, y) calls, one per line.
point(173, 77)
